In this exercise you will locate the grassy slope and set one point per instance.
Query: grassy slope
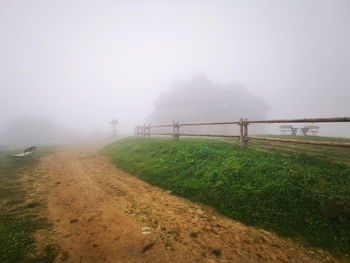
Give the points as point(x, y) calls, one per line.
point(18, 218)
point(292, 194)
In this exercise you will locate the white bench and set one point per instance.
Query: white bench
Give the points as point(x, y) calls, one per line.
point(28, 153)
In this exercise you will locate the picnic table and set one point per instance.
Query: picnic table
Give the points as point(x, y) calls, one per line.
point(288, 128)
point(311, 129)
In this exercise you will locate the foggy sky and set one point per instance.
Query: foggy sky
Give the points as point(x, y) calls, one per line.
point(83, 63)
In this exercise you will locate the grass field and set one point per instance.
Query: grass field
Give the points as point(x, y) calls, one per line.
point(333, 154)
point(19, 216)
point(284, 190)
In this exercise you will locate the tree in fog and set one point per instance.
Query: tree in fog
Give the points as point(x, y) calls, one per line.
point(200, 99)
point(34, 131)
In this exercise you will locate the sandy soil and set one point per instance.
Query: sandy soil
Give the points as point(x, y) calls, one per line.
point(102, 214)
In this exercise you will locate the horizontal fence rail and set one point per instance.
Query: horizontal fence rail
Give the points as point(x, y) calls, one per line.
point(342, 119)
point(145, 130)
point(209, 123)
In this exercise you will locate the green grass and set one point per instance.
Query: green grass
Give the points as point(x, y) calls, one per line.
point(18, 218)
point(330, 153)
point(295, 195)
point(308, 138)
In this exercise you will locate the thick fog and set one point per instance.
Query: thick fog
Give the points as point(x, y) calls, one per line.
point(73, 66)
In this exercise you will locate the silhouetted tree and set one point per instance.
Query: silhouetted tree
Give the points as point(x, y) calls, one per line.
point(202, 100)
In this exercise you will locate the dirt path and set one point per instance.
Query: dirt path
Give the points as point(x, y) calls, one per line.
point(102, 214)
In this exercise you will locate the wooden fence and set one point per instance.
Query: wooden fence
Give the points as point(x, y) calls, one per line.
point(145, 130)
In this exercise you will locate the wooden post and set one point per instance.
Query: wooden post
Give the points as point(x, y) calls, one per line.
point(241, 133)
point(149, 131)
point(245, 133)
point(177, 130)
point(144, 131)
point(174, 129)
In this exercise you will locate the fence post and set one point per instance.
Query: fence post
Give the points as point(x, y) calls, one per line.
point(149, 131)
point(241, 133)
point(245, 135)
point(177, 130)
point(174, 129)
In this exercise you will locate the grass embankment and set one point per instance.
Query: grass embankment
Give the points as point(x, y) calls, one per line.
point(294, 195)
point(19, 216)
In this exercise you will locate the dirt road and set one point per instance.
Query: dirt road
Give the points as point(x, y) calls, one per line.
point(102, 214)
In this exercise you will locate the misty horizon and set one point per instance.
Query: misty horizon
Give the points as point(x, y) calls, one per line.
point(79, 65)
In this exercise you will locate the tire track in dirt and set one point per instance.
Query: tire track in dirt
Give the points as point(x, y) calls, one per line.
point(102, 214)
